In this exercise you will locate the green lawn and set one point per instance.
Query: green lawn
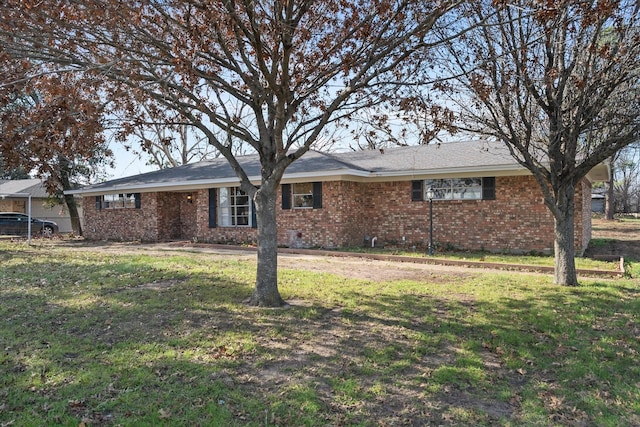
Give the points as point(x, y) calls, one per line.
point(107, 338)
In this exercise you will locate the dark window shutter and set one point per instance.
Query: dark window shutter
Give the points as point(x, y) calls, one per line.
point(254, 219)
point(417, 192)
point(213, 205)
point(317, 195)
point(489, 188)
point(98, 203)
point(286, 196)
point(136, 196)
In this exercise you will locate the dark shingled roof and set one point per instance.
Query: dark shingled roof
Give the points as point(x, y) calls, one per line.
point(448, 158)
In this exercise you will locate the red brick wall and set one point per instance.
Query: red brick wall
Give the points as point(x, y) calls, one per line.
point(162, 216)
point(340, 221)
point(517, 220)
point(168, 215)
point(122, 224)
point(514, 221)
point(188, 215)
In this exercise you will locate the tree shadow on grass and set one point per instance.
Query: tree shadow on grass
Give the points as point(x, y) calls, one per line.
point(96, 348)
point(519, 359)
point(147, 345)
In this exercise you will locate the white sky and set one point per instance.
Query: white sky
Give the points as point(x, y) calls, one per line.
point(126, 164)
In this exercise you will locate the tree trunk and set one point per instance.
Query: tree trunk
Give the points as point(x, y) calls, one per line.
point(564, 245)
point(64, 167)
point(70, 201)
point(266, 292)
point(609, 205)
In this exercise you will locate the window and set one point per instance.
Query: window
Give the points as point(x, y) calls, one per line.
point(234, 208)
point(305, 195)
point(118, 201)
point(455, 189)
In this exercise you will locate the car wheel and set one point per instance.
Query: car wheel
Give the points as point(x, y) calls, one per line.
point(47, 231)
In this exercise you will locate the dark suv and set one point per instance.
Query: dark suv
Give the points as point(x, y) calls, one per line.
point(14, 223)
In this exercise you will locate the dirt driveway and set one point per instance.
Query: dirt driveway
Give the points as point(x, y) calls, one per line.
point(611, 238)
point(370, 269)
point(359, 268)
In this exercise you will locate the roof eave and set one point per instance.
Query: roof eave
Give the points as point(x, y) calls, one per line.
point(600, 173)
point(152, 187)
point(208, 183)
point(454, 172)
point(333, 175)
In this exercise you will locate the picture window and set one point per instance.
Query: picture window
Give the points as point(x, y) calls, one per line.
point(119, 201)
point(455, 188)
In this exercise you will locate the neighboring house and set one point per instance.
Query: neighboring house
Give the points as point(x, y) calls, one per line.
point(484, 200)
point(14, 197)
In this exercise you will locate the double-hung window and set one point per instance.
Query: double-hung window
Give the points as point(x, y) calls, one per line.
point(303, 195)
point(234, 208)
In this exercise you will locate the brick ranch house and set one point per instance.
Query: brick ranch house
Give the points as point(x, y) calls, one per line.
point(484, 200)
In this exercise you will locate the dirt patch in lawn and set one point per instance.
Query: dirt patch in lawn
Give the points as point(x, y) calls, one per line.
point(372, 270)
point(353, 267)
point(617, 238)
point(338, 353)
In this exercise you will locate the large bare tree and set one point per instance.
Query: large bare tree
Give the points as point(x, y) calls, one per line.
point(559, 83)
point(274, 74)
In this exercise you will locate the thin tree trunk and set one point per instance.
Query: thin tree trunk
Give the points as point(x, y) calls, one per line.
point(564, 245)
point(266, 292)
point(69, 200)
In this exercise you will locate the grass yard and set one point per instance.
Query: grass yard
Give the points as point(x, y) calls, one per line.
point(95, 337)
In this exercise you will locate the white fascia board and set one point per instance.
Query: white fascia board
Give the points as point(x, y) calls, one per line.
point(156, 186)
point(210, 183)
point(455, 172)
point(402, 175)
point(334, 175)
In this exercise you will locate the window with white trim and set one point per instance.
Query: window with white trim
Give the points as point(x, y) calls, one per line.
point(118, 201)
point(303, 195)
point(455, 189)
point(234, 208)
